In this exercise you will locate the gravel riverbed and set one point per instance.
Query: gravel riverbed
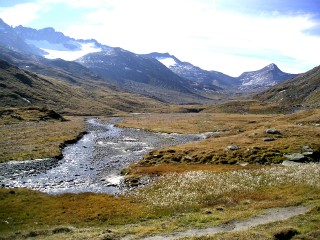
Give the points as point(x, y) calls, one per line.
point(93, 164)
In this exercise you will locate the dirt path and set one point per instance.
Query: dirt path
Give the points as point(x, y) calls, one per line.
point(270, 215)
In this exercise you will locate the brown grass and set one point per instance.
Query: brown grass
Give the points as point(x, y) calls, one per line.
point(245, 131)
point(33, 138)
point(25, 208)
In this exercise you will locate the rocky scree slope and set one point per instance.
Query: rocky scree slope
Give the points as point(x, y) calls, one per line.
point(263, 78)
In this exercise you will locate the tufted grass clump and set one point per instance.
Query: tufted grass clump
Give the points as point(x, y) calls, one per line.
point(206, 188)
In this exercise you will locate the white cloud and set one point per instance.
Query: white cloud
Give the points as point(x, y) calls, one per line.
point(21, 14)
point(193, 30)
point(79, 3)
point(196, 32)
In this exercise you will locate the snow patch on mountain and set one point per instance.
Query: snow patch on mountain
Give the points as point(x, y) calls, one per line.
point(168, 62)
point(59, 51)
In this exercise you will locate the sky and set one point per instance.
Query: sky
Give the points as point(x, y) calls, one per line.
point(230, 36)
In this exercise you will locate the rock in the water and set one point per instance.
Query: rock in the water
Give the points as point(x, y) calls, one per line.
point(272, 131)
point(232, 148)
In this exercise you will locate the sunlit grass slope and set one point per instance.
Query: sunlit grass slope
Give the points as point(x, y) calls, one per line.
point(294, 134)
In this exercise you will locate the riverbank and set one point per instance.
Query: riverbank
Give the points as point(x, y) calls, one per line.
point(36, 133)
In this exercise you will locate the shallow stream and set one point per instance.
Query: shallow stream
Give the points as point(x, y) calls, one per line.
point(93, 164)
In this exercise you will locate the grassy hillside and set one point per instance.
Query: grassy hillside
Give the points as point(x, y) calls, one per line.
point(21, 88)
point(301, 90)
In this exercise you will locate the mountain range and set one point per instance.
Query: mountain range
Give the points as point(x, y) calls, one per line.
point(158, 75)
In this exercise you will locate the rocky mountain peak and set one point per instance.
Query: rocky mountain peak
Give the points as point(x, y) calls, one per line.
point(272, 67)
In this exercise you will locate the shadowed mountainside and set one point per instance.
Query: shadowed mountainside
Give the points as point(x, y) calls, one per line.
point(21, 88)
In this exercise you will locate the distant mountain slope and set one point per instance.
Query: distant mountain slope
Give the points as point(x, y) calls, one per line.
point(11, 40)
point(140, 74)
point(66, 70)
point(158, 75)
point(21, 88)
point(301, 90)
point(210, 80)
point(263, 78)
point(56, 45)
point(248, 81)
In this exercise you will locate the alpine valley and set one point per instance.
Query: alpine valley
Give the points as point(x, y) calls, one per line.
point(160, 76)
point(97, 142)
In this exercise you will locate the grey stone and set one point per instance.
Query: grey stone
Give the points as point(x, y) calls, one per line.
point(290, 163)
point(307, 148)
point(295, 157)
point(232, 148)
point(272, 131)
point(307, 153)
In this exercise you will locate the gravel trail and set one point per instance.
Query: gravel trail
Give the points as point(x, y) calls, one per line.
point(270, 215)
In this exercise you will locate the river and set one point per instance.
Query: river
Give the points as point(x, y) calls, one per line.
point(93, 164)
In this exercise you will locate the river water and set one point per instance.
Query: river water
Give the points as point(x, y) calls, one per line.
point(93, 164)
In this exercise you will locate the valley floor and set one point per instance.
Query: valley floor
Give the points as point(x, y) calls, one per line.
point(182, 195)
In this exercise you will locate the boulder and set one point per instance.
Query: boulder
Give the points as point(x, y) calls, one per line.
point(232, 148)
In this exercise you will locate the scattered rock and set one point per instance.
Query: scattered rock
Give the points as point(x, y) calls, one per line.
point(106, 231)
point(295, 157)
point(31, 234)
point(272, 131)
point(268, 139)
point(220, 208)
point(232, 148)
point(253, 150)
point(307, 154)
point(307, 148)
point(171, 151)
point(244, 164)
point(61, 230)
point(207, 212)
point(289, 163)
